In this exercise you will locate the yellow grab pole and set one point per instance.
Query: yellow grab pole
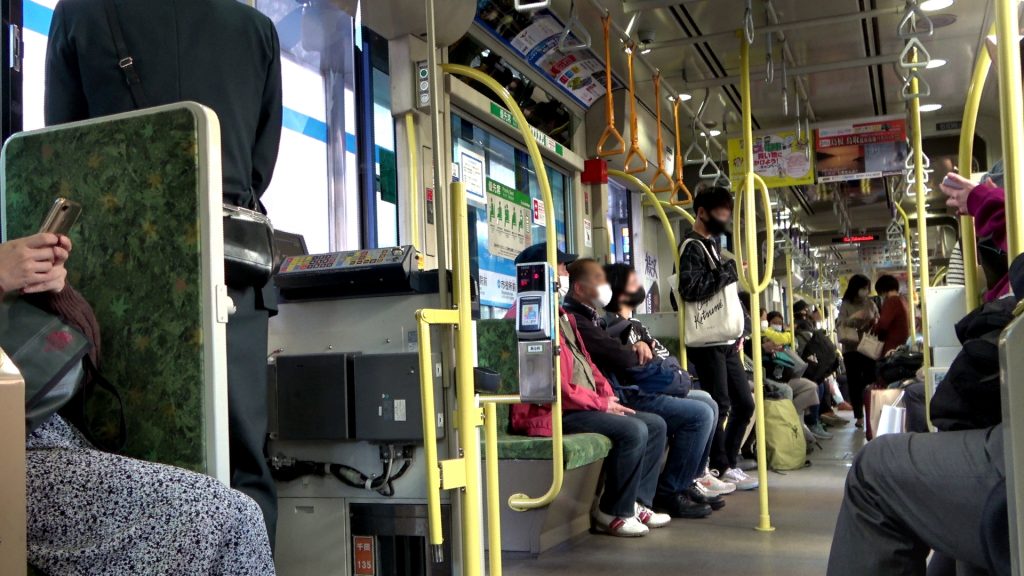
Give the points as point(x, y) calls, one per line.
point(414, 185)
point(1011, 120)
point(922, 230)
point(911, 290)
point(671, 235)
point(789, 298)
point(522, 501)
point(746, 212)
point(493, 497)
point(424, 318)
point(968, 242)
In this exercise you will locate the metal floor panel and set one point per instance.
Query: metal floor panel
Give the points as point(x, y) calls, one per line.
point(804, 507)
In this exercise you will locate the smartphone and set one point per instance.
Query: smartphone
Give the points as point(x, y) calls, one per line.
point(61, 217)
point(950, 183)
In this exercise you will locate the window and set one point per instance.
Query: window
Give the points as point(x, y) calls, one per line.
point(379, 167)
point(501, 183)
point(37, 16)
point(620, 219)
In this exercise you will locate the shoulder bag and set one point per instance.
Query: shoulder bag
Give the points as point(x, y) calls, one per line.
point(717, 320)
point(248, 233)
point(870, 346)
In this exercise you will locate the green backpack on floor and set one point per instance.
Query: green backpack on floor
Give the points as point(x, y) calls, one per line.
point(784, 436)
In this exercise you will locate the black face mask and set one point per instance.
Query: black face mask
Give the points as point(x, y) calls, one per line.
point(636, 298)
point(714, 226)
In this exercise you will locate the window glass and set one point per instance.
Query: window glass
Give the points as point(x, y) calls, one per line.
point(502, 187)
point(620, 218)
point(37, 16)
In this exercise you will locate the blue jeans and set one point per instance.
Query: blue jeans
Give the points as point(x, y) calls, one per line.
point(690, 425)
point(631, 468)
point(702, 396)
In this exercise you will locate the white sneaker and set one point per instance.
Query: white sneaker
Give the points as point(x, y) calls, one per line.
point(650, 518)
point(630, 527)
point(740, 479)
point(713, 485)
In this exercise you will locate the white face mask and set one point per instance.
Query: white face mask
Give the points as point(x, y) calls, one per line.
point(777, 327)
point(563, 286)
point(764, 324)
point(864, 294)
point(604, 296)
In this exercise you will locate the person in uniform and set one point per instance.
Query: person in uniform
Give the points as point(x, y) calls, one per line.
point(224, 55)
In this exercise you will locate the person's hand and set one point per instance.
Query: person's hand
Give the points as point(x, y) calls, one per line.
point(34, 264)
point(615, 408)
point(643, 352)
point(860, 315)
point(770, 346)
point(957, 189)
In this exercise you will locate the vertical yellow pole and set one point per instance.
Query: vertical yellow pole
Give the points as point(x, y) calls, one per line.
point(493, 497)
point(922, 233)
point(414, 185)
point(968, 242)
point(747, 212)
point(790, 297)
point(911, 289)
point(468, 417)
point(1011, 120)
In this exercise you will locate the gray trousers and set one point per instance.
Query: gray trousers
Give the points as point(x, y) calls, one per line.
point(908, 494)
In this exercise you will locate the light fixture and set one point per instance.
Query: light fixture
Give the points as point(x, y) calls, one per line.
point(713, 133)
point(632, 22)
point(935, 63)
point(933, 5)
point(930, 107)
point(644, 48)
point(684, 96)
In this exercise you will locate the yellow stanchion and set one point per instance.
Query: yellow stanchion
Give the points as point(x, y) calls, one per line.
point(493, 496)
point(790, 296)
point(1011, 119)
point(968, 241)
point(922, 231)
point(746, 213)
point(671, 235)
point(911, 290)
point(522, 501)
point(414, 185)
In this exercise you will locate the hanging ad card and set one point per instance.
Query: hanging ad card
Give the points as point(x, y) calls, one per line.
point(859, 151)
point(778, 158)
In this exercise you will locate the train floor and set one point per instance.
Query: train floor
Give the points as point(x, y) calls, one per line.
point(804, 507)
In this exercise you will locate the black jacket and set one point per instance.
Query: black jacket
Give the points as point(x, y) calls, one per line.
point(610, 355)
point(697, 279)
point(219, 53)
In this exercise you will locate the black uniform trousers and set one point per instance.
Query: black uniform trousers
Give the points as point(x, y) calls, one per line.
point(247, 403)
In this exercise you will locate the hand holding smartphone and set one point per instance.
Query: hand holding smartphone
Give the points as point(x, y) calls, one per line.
point(61, 218)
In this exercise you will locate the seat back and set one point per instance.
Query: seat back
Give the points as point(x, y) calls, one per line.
point(496, 349)
point(148, 256)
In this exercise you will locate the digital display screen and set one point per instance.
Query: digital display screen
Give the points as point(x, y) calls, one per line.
point(531, 278)
point(529, 314)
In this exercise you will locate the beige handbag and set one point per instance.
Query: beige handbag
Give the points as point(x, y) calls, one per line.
point(870, 346)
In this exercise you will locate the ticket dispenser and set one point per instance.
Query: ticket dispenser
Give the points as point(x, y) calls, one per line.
point(535, 317)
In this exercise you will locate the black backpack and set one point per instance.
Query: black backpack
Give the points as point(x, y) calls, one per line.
point(824, 351)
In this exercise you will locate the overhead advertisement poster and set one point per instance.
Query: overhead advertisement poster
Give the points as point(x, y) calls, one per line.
point(858, 151)
point(535, 38)
point(780, 159)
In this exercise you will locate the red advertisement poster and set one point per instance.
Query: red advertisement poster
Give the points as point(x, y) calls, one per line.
point(862, 150)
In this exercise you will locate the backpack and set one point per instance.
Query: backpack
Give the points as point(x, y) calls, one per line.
point(784, 436)
point(819, 346)
point(901, 365)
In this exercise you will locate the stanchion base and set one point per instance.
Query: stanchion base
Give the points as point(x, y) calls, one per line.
point(766, 526)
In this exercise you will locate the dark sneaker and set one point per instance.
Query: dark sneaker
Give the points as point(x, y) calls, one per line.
point(699, 494)
point(680, 506)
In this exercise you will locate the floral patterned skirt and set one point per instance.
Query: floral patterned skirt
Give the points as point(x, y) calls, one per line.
point(90, 512)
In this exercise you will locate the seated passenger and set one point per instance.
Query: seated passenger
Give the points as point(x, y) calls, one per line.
point(91, 512)
point(638, 439)
point(539, 253)
point(627, 294)
point(690, 422)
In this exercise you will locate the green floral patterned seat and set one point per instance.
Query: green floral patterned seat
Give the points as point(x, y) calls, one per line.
point(496, 350)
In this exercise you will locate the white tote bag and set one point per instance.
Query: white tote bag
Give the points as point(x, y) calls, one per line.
point(717, 320)
point(893, 419)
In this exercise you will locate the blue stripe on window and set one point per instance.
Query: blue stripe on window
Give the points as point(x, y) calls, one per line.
point(305, 125)
point(37, 17)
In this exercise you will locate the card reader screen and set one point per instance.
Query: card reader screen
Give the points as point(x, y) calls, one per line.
point(529, 314)
point(532, 278)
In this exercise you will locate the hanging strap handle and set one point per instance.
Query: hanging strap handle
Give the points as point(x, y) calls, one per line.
point(124, 60)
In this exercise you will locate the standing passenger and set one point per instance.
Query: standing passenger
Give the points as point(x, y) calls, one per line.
point(857, 315)
point(719, 368)
point(226, 56)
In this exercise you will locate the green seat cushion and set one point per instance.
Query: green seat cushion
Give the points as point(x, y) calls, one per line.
point(578, 449)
